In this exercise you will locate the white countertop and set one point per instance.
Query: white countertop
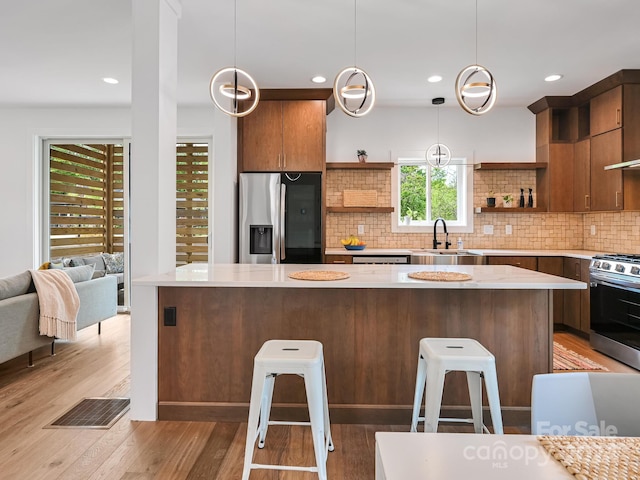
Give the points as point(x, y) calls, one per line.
point(454, 456)
point(361, 276)
point(584, 254)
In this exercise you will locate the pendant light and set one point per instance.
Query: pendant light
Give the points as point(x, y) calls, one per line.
point(476, 89)
point(227, 86)
point(438, 155)
point(353, 89)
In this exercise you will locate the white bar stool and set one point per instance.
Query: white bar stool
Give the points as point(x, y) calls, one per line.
point(296, 357)
point(437, 357)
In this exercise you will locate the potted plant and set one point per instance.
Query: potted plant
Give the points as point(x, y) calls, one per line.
point(508, 200)
point(491, 199)
point(362, 156)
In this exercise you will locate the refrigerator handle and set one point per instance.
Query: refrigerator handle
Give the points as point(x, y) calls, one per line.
point(283, 195)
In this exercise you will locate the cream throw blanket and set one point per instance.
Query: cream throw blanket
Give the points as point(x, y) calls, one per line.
point(59, 303)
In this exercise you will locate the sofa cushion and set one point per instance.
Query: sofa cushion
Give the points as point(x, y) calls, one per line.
point(95, 260)
point(114, 262)
point(15, 285)
point(80, 274)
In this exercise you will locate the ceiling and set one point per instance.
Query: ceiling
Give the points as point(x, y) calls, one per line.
point(56, 52)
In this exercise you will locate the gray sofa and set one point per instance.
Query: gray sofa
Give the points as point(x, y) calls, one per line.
point(19, 311)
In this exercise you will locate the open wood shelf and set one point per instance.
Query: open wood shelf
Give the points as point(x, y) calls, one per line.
point(358, 166)
point(509, 210)
point(510, 166)
point(360, 209)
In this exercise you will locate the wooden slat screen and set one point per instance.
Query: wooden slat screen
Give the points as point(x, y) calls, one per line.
point(115, 224)
point(78, 199)
point(192, 200)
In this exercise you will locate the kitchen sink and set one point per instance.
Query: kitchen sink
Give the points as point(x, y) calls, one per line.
point(446, 257)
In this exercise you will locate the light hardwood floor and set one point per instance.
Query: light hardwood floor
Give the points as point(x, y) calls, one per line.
point(98, 365)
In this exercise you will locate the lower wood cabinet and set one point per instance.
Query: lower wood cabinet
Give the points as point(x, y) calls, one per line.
point(554, 266)
point(530, 263)
point(577, 310)
point(338, 259)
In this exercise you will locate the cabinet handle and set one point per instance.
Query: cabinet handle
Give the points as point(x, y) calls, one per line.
point(577, 273)
point(586, 202)
point(617, 204)
point(338, 261)
point(284, 161)
point(279, 162)
point(618, 122)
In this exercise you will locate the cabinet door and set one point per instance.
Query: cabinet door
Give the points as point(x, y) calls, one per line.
point(582, 176)
point(338, 259)
point(606, 185)
point(572, 297)
point(606, 111)
point(554, 266)
point(585, 298)
point(530, 263)
point(261, 138)
point(304, 135)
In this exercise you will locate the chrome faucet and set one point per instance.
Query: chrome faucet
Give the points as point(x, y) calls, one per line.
point(446, 234)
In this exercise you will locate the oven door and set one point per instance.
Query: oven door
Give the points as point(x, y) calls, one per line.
point(615, 320)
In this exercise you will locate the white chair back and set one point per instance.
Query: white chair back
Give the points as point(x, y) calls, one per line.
point(581, 403)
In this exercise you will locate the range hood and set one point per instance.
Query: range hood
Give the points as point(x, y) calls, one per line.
point(625, 165)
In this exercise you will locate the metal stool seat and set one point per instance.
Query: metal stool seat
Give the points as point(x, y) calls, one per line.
point(437, 357)
point(293, 357)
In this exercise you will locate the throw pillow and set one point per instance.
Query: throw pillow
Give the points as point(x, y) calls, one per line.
point(44, 266)
point(99, 274)
point(80, 274)
point(56, 265)
point(15, 285)
point(114, 262)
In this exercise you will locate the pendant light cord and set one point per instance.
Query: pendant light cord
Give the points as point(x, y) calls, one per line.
point(476, 32)
point(355, 32)
point(235, 27)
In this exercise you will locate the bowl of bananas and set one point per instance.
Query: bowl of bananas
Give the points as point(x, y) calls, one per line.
point(353, 243)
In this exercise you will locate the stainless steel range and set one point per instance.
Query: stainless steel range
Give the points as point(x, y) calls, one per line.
point(615, 306)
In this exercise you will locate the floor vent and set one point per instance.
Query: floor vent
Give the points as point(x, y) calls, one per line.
point(93, 413)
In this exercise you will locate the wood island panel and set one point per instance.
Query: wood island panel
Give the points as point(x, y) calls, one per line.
point(370, 339)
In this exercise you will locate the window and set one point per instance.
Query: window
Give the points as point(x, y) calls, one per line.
point(421, 194)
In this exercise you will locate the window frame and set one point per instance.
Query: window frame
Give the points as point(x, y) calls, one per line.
point(465, 179)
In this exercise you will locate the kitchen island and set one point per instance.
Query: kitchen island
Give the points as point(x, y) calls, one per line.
point(370, 325)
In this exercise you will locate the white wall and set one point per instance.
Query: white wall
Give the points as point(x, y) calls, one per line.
point(19, 154)
point(502, 135)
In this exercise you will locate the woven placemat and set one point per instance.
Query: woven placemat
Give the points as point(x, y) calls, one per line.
point(441, 276)
point(319, 275)
point(591, 458)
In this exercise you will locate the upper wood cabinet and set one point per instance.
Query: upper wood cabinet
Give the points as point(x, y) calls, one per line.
point(555, 183)
point(606, 111)
point(606, 185)
point(283, 135)
point(582, 176)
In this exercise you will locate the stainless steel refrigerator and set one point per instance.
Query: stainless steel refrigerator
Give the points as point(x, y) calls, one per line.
point(280, 218)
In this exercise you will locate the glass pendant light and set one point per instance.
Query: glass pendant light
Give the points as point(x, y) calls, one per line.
point(353, 89)
point(227, 86)
point(476, 88)
point(438, 155)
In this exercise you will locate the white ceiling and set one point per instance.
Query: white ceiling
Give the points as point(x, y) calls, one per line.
point(56, 52)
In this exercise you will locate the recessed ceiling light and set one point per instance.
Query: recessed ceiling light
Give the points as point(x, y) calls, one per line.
point(110, 80)
point(318, 79)
point(434, 79)
point(553, 78)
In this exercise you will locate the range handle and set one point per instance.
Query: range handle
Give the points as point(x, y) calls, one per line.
point(283, 195)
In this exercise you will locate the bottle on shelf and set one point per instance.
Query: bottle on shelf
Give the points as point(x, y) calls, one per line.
point(530, 200)
point(521, 204)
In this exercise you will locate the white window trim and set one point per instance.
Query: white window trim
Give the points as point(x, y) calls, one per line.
point(418, 158)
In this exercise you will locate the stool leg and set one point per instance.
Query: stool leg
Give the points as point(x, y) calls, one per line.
point(257, 387)
point(491, 385)
point(435, 387)
point(265, 408)
point(474, 383)
point(421, 377)
point(327, 423)
point(316, 413)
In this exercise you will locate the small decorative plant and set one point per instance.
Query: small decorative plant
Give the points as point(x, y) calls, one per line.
point(491, 199)
point(362, 156)
point(508, 200)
